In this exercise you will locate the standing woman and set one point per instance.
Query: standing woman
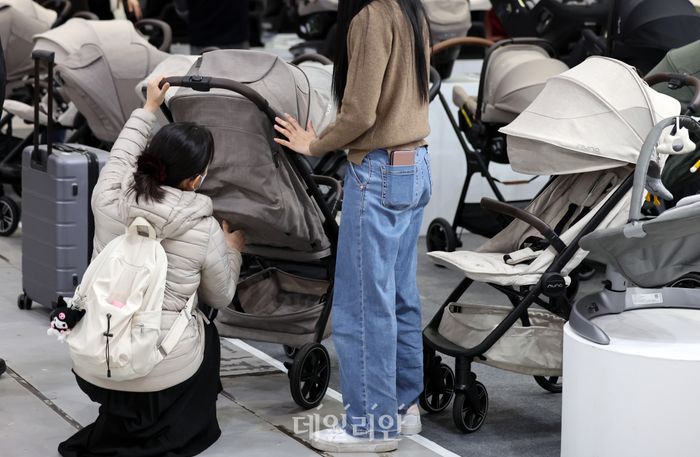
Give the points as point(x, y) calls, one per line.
point(380, 81)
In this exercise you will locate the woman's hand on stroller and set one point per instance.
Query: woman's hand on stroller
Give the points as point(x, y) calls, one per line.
point(155, 94)
point(134, 7)
point(298, 139)
point(234, 240)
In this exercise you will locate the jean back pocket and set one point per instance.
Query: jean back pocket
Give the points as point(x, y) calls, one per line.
point(399, 186)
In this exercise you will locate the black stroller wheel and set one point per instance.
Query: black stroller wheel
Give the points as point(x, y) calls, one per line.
point(310, 375)
point(466, 417)
point(24, 302)
point(9, 216)
point(290, 351)
point(439, 389)
point(552, 384)
point(441, 236)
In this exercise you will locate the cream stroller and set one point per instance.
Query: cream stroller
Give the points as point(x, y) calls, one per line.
point(286, 292)
point(98, 63)
point(586, 127)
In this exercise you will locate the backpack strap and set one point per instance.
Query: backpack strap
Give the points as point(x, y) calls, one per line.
point(178, 328)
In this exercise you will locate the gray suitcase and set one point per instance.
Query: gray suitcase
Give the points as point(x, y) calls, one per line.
point(57, 220)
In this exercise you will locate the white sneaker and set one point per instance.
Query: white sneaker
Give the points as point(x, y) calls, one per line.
point(410, 422)
point(338, 440)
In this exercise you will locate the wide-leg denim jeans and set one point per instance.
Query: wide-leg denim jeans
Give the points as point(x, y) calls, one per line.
point(376, 305)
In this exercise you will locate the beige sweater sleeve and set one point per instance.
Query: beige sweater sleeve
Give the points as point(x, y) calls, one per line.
point(369, 49)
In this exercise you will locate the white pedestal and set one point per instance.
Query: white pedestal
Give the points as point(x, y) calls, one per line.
point(639, 396)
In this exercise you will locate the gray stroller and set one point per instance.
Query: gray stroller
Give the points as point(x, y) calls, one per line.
point(288, 213)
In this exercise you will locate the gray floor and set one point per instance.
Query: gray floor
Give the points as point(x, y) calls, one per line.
point(40, 404)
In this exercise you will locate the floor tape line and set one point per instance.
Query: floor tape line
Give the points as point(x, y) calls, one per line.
point(335, 395)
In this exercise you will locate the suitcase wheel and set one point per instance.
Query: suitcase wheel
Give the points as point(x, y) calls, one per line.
point(24, 302)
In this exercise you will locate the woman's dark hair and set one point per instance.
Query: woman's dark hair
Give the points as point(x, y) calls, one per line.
point(416, 17)
point(177, 152)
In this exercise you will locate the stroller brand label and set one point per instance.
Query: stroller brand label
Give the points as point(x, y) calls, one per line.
point(647, 299)
point(592, 149)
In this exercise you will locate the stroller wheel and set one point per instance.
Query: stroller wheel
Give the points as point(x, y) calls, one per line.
point(466, 417)
point(439, 389)
point(310, 375)
point(441, 236)
point(550, 383)
point(9, 216)
point(290, 351)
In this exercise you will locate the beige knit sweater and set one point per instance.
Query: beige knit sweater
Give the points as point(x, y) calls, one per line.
point(381, 106)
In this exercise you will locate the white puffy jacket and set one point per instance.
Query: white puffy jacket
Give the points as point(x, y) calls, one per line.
point(198, 257)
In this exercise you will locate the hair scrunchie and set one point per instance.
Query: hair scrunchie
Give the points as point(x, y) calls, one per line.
point(150, 165)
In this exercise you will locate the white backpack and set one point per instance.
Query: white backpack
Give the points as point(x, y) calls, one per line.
point(122, 293)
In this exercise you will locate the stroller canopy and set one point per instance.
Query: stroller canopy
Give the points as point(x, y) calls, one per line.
point(20, 20)
point(515, 75)
point(71, 36)
point(592, 117)
point(448, 18)
point(684, 60)
point(251, 182)
point(99, 64)
point(642, 31)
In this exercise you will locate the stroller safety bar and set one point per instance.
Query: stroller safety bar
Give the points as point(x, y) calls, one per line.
point(313, 57)
point(146, 27)
point(676, 81)
point(460, 41)
point(517, 213)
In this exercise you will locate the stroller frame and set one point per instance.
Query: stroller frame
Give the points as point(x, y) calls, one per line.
point(442, 235)
point(470, 396)
point(309, 373)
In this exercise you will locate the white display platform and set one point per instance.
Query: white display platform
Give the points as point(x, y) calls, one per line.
point(639, 396)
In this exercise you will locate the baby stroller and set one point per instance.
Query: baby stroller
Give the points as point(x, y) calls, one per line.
point(659, 255)
point(285, 295)
point(513, 73)
point(560, 22)
point(586, 127)
point(98, 65)
point(641, 32)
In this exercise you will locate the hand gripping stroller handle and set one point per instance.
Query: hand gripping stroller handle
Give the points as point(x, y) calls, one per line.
point(645, 154)
point(206, 83)
point(529, 218)
point(676, 81)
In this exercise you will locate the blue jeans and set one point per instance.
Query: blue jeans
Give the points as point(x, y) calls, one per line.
point(376, 305)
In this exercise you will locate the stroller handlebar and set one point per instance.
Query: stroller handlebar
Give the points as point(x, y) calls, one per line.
point(206, 83)
point(460, 41)
point(676, 81)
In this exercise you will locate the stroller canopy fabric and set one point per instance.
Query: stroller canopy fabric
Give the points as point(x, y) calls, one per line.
point(448, 18)
point(684, 60)
point(642, 31)
point(100, 63)
point(515, 75)
point(71, 36)
point(592, 117)
point(20, 20)
point(251, 182)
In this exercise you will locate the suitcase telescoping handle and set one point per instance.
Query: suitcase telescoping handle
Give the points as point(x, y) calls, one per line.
point(39, 158)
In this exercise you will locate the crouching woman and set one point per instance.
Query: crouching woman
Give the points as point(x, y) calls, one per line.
point(172, 410)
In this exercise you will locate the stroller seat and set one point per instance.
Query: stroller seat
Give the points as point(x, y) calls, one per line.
point(519, 255)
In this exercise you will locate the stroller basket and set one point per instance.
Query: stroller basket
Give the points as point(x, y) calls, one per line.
point(533, 350)
point(275, 306)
